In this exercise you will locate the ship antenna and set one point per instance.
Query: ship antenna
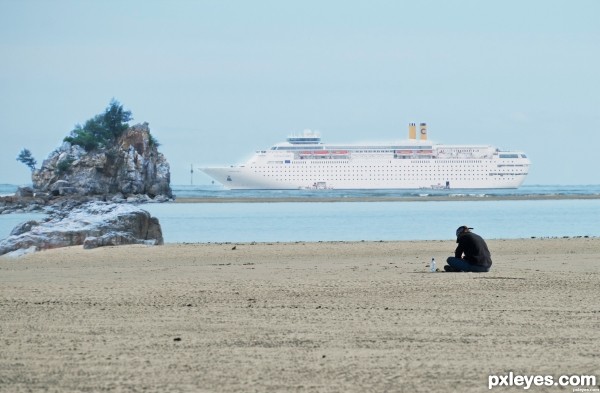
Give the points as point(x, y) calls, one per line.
point(191, 174)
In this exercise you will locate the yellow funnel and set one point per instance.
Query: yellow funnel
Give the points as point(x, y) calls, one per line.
point(423, 128)
point(412, 131)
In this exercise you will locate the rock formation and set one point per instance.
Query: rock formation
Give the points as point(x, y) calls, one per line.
point(92, 224)
point(24, 201)
point(132, 166)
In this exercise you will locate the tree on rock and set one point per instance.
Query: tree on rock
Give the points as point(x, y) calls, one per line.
point(26, 158)
point(103, 129)
point(115, 119)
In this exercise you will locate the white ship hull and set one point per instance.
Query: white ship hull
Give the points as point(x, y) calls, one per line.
point(244, 178)
point(411, 164)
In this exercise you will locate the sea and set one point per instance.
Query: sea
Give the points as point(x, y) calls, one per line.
point(493, 214)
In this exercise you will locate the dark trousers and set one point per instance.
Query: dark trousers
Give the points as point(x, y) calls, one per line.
point(465, 266)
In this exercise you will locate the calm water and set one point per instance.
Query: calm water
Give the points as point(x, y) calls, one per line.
point(209, 191)
point(306, 221)
point(9, 221)
point(300, 221)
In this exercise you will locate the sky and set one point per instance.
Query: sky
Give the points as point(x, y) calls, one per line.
point(217, 80)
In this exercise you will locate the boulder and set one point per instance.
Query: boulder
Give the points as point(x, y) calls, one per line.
point(55, 187)
point(23, 227)
point(24, 192)
point(114, 239)
point(41, 195)
point(93, 223)
point(19, 204)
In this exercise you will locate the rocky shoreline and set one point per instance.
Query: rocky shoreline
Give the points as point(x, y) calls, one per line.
point(91, 224)
point(72, 220)
point(90, 193)
point(27, 200)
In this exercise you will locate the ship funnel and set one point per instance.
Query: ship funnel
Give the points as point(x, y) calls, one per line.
point(412, 131)
point(423, 128)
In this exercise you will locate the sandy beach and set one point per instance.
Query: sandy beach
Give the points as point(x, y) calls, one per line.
point(297, 317)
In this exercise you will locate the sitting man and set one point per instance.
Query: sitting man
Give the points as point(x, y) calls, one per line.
point(471, 254)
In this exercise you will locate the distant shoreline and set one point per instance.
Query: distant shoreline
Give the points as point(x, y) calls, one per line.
point(431, 198)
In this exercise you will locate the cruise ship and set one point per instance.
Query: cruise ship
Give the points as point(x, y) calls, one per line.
point(305, 162)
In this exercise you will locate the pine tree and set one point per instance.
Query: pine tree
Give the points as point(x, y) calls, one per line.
point(103, 129)
point(26, 158)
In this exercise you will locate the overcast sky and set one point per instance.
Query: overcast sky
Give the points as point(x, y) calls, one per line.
point(217, 80)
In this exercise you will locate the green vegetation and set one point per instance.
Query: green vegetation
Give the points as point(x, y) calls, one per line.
point(26, 158)
point(64, 165)
point(152, 141)
point(102, 130)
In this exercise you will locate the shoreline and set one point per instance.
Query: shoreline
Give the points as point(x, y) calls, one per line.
point(290, 317)
point(429, 198)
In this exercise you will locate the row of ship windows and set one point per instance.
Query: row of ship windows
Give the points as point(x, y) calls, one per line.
point(396, 177)
point(426, 167)
point(327, 160)
point(370, 171)
point(438, 179)
point(335, 164)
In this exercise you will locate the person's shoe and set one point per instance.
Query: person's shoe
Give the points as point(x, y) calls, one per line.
point(450, 269)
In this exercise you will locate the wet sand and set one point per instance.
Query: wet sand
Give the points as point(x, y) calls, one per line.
point(299, 317)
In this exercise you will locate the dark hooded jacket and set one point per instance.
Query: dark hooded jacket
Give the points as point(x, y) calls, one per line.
point(474, 248)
